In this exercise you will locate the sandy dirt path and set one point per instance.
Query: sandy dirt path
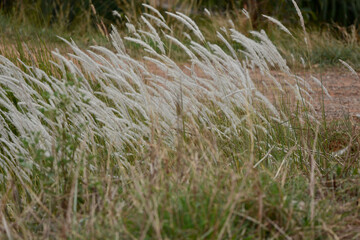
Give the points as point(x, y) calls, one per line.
point(343, 87)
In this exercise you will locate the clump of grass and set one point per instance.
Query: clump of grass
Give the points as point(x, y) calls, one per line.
point(326, 49)
point(103, 146)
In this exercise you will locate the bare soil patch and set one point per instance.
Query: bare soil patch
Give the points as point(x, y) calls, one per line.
point(341, 84)
point(343, 87)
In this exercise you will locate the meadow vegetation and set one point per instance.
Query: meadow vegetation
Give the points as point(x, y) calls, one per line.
point(159, 131)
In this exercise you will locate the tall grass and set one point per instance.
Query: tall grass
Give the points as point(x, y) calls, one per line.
point(108, 146)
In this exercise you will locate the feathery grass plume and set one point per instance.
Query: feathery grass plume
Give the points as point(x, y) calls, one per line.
point(303, 62)
point(231, 23)
point(277, 22)
point(131, 27)
point(219, 35)
point(252, 49)
point(117, 41)
point(270, 52)
point(155, 11)
point(154, 35)
point(207, 11)
point(318, 82)
point(177, 42)
point(142, 43)
point(188, 22)
point(302, 22)
point(350, 68)
point(117, 14)
point(158, 22)
point(187, 36)
point(246, 13)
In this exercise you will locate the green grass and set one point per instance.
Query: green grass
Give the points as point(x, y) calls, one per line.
point(327, 47)
point(201, 193)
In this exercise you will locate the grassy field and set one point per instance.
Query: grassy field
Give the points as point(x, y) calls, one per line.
point(96, 144)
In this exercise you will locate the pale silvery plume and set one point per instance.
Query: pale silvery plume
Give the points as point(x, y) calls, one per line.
point(246, 13)
point(350, 68)
point(188, 22)
point(277, 22)
point(207, 12)
point(317, 81)
point(302, 22)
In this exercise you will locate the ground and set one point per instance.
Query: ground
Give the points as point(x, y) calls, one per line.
point(344, 88)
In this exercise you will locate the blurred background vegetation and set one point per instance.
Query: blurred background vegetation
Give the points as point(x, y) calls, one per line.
point(69, 14)
point(333, 24)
